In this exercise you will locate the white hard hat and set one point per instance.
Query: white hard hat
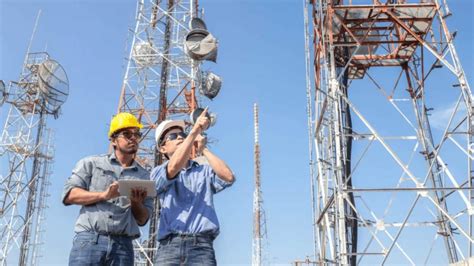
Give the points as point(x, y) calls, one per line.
point(164, 126)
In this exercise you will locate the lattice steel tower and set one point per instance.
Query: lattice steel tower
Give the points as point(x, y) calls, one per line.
point(26, 154)
point(391, 178)
point(162, 81)
point(259, 220)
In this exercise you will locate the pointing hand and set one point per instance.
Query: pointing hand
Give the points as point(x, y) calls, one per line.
point(202, 122)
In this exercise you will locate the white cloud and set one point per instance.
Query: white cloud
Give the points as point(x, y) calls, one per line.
point(439, 117)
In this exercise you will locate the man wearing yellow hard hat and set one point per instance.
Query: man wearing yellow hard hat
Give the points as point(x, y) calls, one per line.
point(108, 222)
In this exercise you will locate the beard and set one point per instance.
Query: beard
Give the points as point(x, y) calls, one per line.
point(128, 150)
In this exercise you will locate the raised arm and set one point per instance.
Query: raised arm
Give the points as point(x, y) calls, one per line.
point(181, 156)
point(219, 166)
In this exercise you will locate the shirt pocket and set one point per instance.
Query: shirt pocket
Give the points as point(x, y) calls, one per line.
point(101, 179)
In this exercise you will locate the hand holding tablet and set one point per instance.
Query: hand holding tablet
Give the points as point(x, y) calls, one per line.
point(126, 186)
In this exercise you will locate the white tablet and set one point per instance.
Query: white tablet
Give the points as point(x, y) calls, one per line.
point(125, 187)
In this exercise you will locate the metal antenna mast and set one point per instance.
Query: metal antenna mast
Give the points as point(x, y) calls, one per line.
point(26, 155)
point(161, 81)
point(43, 195)
point(388, 186)
point(259, 223)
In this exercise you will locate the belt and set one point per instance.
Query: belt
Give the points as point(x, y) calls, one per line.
point(187, 236)
point(116, 235)
point(107, 234)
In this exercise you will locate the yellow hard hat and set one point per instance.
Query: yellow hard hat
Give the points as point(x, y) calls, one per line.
point(121, 121)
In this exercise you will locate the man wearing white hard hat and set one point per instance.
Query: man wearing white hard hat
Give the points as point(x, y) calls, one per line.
point(188, 220)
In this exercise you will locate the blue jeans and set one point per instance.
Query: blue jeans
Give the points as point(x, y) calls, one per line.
point(92, 249)
point(186, 250)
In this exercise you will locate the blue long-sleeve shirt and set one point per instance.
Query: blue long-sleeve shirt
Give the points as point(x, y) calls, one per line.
point(187, 205)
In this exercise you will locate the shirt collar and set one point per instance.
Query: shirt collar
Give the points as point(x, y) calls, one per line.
point(113, 158)
point(191, 164)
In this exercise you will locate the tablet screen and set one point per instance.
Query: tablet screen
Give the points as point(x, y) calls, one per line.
point(125, 187)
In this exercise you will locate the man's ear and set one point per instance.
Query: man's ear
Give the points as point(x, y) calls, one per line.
point(113, 141)
point(162, 149)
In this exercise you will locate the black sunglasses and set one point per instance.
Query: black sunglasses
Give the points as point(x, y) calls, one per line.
point(173, 136)
point(129, 135)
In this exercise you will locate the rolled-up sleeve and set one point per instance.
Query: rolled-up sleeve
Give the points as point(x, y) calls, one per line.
point(162, 183)
point(217, 183)
point(80, 177)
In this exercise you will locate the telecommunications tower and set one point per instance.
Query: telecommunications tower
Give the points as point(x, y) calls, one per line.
point(391, 128)
point(163, 79)
point(259, 221)
point(26, 155)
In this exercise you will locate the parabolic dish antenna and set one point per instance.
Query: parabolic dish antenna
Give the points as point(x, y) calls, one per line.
point(54, 85)
point(145, 54)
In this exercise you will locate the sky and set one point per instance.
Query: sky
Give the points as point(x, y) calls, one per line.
point(261, 59)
